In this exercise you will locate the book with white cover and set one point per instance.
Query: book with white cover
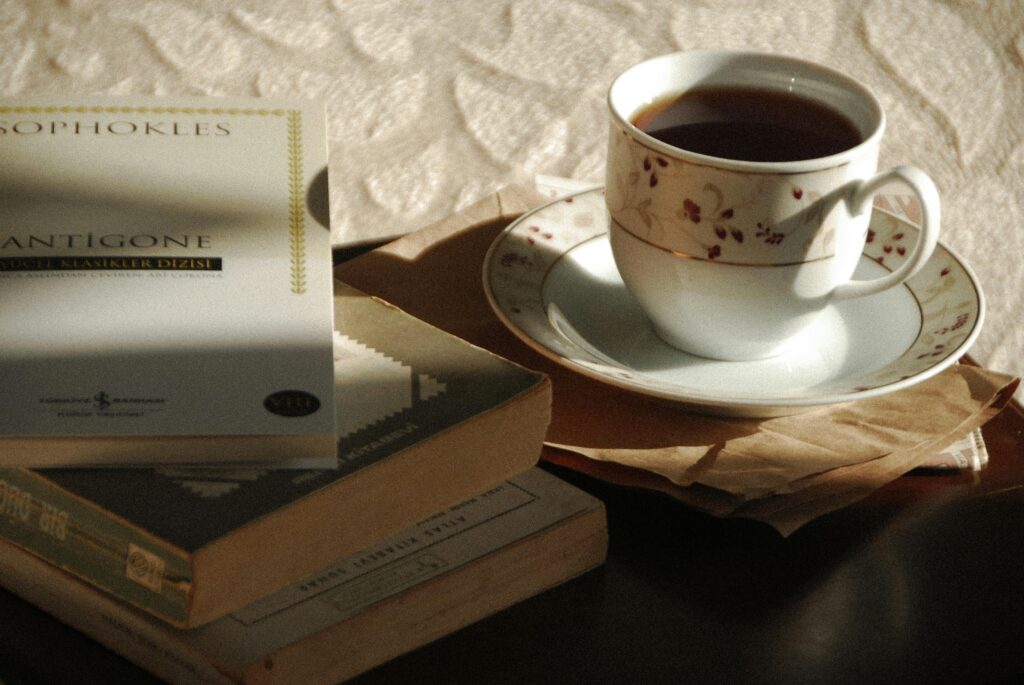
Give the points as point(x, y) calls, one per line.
point(424, 420)
point(165, 272)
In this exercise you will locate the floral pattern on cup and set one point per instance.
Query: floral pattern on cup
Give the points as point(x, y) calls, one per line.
point(698, 211)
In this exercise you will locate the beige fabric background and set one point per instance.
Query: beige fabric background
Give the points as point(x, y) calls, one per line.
point(435, 104)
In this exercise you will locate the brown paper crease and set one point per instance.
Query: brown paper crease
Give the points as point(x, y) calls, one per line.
point(793, 469)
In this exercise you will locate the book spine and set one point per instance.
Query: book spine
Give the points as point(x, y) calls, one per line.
point(93, 545)
point(113, 624)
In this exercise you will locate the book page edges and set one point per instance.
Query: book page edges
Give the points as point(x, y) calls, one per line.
point(271, 451)
point(435, 473)
point(422, 614)
point(431, 610)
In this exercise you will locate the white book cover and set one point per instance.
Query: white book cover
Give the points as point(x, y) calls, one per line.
point(165, 270)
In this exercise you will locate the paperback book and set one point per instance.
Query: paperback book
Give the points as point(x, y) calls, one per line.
point(166, 279)
point(498, 547)
point(424, 419)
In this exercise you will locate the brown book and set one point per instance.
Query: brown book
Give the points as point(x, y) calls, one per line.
point(424, 420)
point(456, 567)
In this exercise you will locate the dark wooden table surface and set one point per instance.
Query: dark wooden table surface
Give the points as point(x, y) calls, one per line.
point(923, 582)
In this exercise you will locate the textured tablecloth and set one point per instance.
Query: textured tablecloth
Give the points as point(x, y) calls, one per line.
point(432, 105)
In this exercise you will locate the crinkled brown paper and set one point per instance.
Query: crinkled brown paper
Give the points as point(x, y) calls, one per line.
point(784, 471)
point(787, 471)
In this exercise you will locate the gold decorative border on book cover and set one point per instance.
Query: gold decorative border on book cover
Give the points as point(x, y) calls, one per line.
point(296, 207)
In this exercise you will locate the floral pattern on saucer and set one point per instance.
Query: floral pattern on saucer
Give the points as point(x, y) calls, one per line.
point(528, 249)
point(951, 304)
point(520, 260)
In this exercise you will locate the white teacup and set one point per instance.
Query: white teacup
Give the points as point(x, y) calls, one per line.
point(731, 258)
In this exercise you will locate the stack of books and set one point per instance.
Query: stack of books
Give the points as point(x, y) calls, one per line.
point(216, 460)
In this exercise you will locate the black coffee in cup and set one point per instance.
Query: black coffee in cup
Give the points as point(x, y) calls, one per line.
point(750, 124)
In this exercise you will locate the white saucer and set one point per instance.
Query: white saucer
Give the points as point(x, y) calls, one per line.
point(551, 279)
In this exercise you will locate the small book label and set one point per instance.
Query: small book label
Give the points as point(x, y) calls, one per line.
point(144, 568)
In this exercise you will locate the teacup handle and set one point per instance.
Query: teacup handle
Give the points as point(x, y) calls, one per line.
point(860, 200)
